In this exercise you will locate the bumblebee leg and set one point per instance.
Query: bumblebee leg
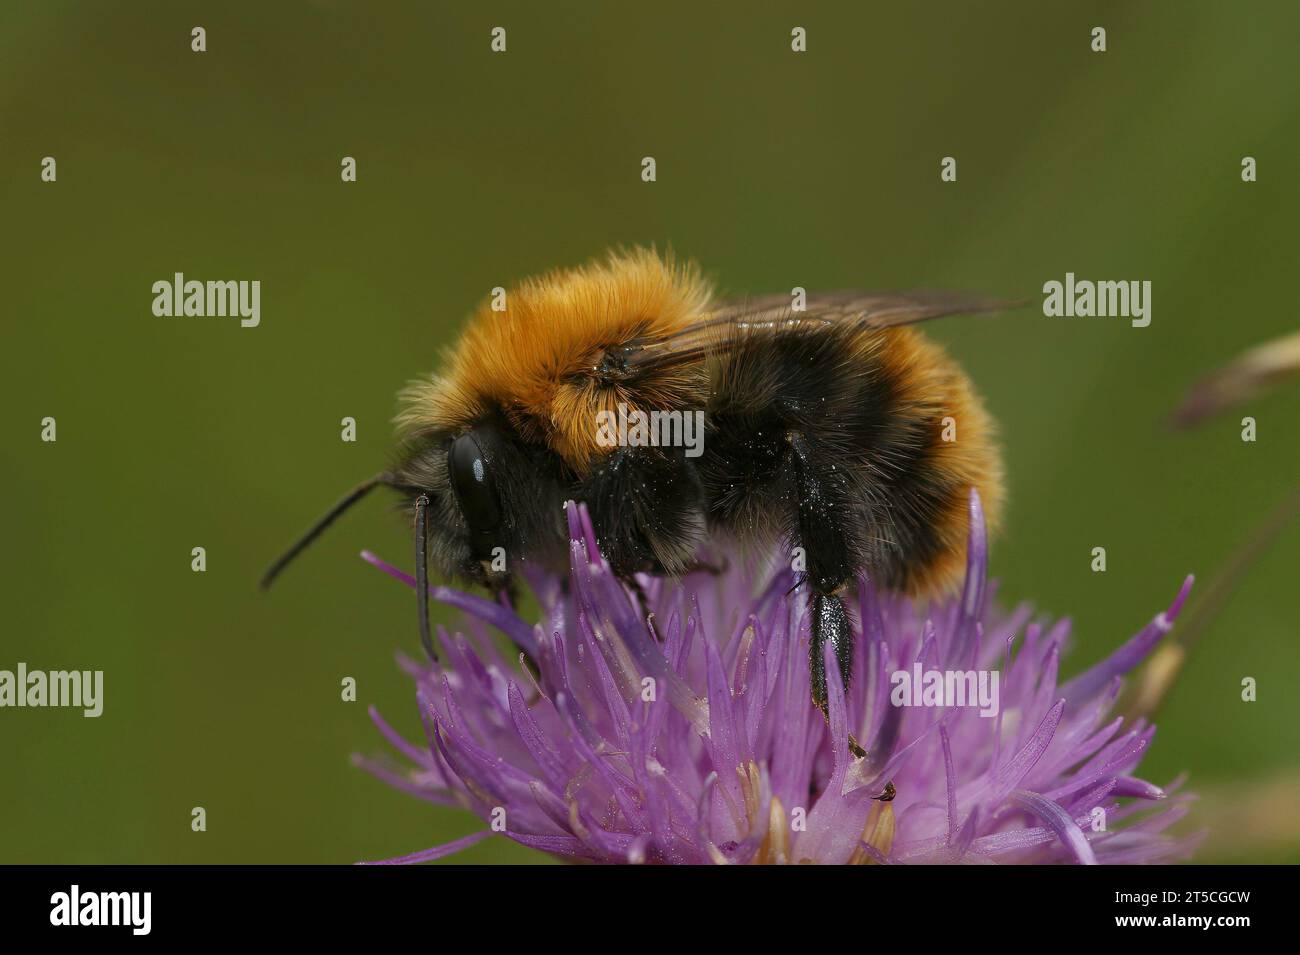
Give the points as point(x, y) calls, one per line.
point(422, 574)
point(830, 565)
point(821, 491)
point(830, 621)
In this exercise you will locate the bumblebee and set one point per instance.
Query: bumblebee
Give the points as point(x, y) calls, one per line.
point(834, 428)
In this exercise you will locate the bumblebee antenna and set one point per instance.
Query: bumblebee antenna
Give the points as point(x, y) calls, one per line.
point(354, 495)
point(422, 572)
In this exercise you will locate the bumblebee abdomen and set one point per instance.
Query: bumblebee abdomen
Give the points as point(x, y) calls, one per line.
point(860, 445)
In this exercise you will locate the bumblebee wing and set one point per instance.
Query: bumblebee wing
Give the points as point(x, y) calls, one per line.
point(732, 322)
point(868, 309)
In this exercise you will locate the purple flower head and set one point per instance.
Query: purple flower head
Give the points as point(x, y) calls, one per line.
point(692, 738)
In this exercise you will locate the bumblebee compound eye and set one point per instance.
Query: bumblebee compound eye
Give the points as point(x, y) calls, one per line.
point(469, 464)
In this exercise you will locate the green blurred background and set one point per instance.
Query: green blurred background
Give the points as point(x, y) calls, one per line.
point(477, 169)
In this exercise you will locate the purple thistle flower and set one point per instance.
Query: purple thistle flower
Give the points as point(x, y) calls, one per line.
point(693, 739)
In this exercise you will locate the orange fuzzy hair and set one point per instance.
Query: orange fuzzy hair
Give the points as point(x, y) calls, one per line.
point(529, 360)
point(936, 386)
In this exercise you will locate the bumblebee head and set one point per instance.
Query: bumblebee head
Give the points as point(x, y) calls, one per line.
point(478, 499)
point(455, 489)
point(490, 497)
